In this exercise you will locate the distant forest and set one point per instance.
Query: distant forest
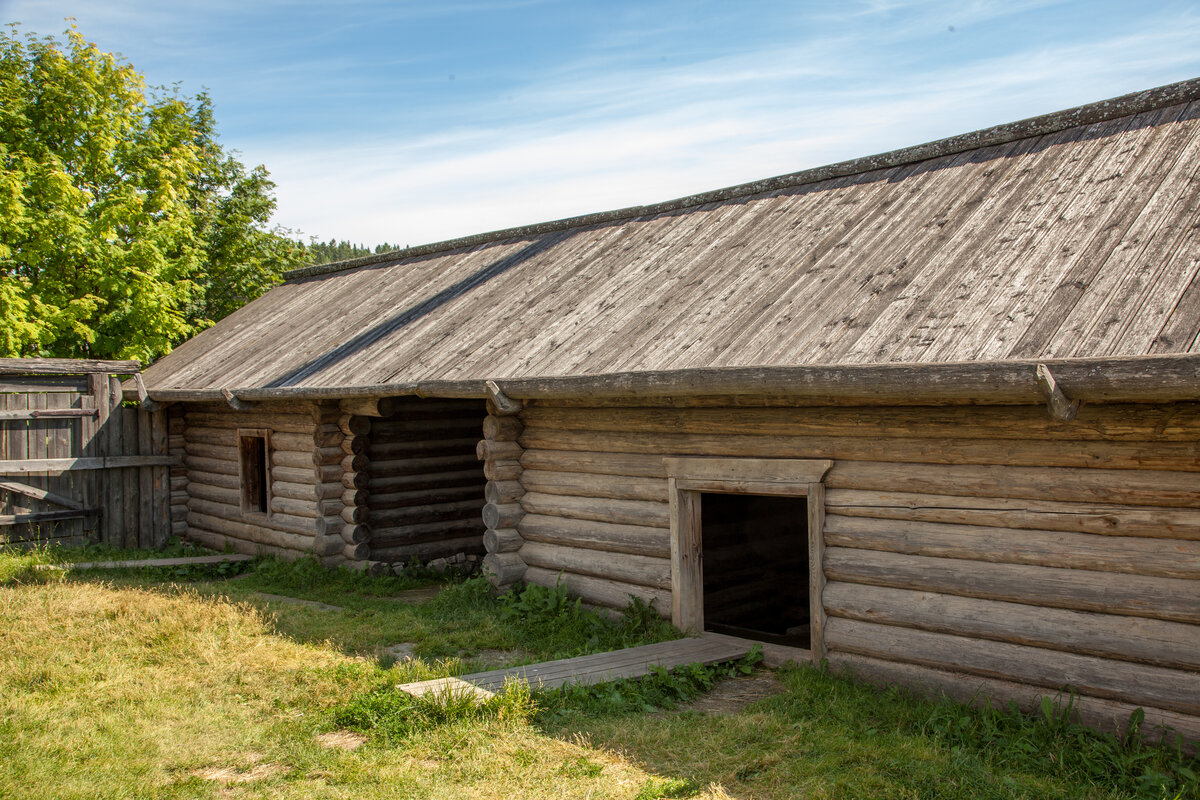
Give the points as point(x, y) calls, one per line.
point(333, 250)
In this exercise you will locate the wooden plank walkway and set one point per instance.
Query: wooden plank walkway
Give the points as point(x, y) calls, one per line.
point(633, 662)
point(151, 562)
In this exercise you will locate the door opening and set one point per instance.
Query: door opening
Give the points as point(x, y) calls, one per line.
point(756, 567)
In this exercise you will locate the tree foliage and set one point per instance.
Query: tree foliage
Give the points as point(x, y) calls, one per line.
point(334, 250)
point(124, 225)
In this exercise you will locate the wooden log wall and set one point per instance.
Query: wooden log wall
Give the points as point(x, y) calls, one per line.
point(176, 446)
point(424, 493)
point(305, 479)
point(965, 548)
point(501, 457)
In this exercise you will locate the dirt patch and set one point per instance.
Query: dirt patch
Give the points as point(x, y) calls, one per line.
point(296, 601)
point(490, 658)
point(400, 652)
point(732, 695)
point(342, 740)
point(422, 595)
point(233, 775)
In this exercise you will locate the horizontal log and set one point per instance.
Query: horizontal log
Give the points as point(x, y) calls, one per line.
point(1098, 518)
point(506, 515)
point(584, 484)
point(432, 427)
point(292, 458)
point(197, 434)
point(217, 451)
point(178, 482)
point(427, 532)
point(384, 483)
point(354, 425)
point(595, 463)
point(356, 514)
point(505, 540)
point(1130, 487)
point(365, 407)
point(410, 515)
point(1180, 422)
point(601, 591)
point(217, 494)
point(57, 466)
point(306, 491)
point(286, 523)
point(310, 475)
point(1108, 379)
point(297, 508)
point(211, 465)
point(328, 455)
point(503, 569)
point(220, 543)
point(427, 551)
point(178, 512)
point(355, 480)
point(357, 552)
point(1168, 558)
point(296, 423)
point(354, 445)
point(502, 470)
point(354, 463)
point(67, 366)
point(503, 491)
point(640, 570)
point(1164, 644)
point(1160, 687)
point(351, 497)
point(248, 532)
point(179, 528)
point(356, 534)
point(605, 536)
point(416, 466)
point(389, 450)
point(624, 512)
point(1108, 455)
point(424, 497)
point(502, 429)
point(1082, 590)
point(1106, 715)
point(498, 451)
point(328, 545)
point(330, 525)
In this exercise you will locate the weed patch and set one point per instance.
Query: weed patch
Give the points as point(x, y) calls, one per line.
point(391, 714)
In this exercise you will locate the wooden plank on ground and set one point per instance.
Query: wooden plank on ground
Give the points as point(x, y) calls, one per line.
point(225, 558)
point(633, 662)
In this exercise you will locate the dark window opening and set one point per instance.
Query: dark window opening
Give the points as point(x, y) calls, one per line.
point(255, 478)
point(755, 563)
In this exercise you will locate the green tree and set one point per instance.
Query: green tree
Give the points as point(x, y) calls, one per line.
point(124, 226)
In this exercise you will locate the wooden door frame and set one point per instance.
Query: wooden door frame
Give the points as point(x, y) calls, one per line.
point(687, 478)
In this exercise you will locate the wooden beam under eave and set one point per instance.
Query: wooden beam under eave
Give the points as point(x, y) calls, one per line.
point(66, 366)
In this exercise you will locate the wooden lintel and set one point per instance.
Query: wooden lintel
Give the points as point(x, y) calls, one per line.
point(1060, 406)
point(235, 402)
point(41, 494)
point(505, 406)
point(58, 465)
point(49, 413)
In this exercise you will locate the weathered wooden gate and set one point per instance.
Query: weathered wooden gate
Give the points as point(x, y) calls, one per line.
point(76, 465)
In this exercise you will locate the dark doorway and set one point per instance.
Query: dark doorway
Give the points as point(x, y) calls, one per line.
point(755, 557)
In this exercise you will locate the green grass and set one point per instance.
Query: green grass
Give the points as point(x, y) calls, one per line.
point(127, 684)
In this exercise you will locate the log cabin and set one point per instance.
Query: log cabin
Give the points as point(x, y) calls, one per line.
point(932, 416)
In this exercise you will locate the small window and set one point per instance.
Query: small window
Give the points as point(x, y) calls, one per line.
point(255, 458)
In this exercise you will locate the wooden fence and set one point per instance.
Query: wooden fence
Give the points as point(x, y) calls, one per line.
point(76, 464)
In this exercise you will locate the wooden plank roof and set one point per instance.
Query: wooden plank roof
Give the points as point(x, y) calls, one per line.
point(1074, 235)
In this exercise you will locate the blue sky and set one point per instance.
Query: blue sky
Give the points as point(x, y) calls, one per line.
point(411, 122)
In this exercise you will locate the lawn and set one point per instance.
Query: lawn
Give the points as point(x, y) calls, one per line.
point(192, 683)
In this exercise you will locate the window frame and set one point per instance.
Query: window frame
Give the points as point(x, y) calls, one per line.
point(246, 505)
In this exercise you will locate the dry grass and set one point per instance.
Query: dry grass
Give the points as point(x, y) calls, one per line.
point(112, 691)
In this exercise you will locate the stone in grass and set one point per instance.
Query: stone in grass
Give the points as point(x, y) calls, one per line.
point(342, 740)
point(438, 565)
point(401, 652)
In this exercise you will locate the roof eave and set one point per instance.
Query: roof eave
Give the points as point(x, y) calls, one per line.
point(1123, 379)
